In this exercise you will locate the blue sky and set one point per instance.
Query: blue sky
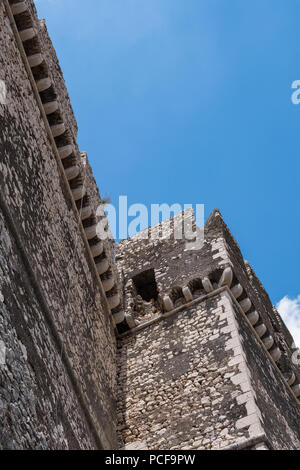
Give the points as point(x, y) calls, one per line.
point(190, 102)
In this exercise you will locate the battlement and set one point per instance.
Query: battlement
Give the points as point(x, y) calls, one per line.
point(64, 338)
point(46, 79)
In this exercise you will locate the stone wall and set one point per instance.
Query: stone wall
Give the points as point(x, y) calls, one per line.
point(176, 388)
point(39, 406)
point(184, 279)
point(57, 386)
point(254, 290)
point(168, 256)
point(280, 411)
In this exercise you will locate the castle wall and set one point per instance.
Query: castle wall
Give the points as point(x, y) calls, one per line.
point(57, 77)
point(184, 279)
point(39, 407)
point(172, 262)
point(176, 382)
point(279, 409)
point(63, 377)
point(254, 290)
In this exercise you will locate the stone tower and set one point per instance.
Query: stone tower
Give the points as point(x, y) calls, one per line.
point(205, 362)
point(158, 347)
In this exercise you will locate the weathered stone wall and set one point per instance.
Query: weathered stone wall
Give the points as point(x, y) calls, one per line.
point(39, 407)
point(175, 268)
point(173, 264)
point(254, 290)
point(61, 392)
point(176, 387)
point(279, 409)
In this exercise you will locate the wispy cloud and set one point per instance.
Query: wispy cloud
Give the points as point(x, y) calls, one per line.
point(289, 309)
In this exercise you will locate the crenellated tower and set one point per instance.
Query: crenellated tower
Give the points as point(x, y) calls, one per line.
point(205, 361)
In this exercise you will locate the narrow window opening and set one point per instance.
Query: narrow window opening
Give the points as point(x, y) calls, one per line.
point(145, 285)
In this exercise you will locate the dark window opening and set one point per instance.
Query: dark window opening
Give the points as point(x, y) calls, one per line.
point(145, 285)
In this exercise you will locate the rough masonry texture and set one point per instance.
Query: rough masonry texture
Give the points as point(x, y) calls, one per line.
point(143, 344)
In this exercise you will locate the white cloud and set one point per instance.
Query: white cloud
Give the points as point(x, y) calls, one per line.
point(289, 309)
